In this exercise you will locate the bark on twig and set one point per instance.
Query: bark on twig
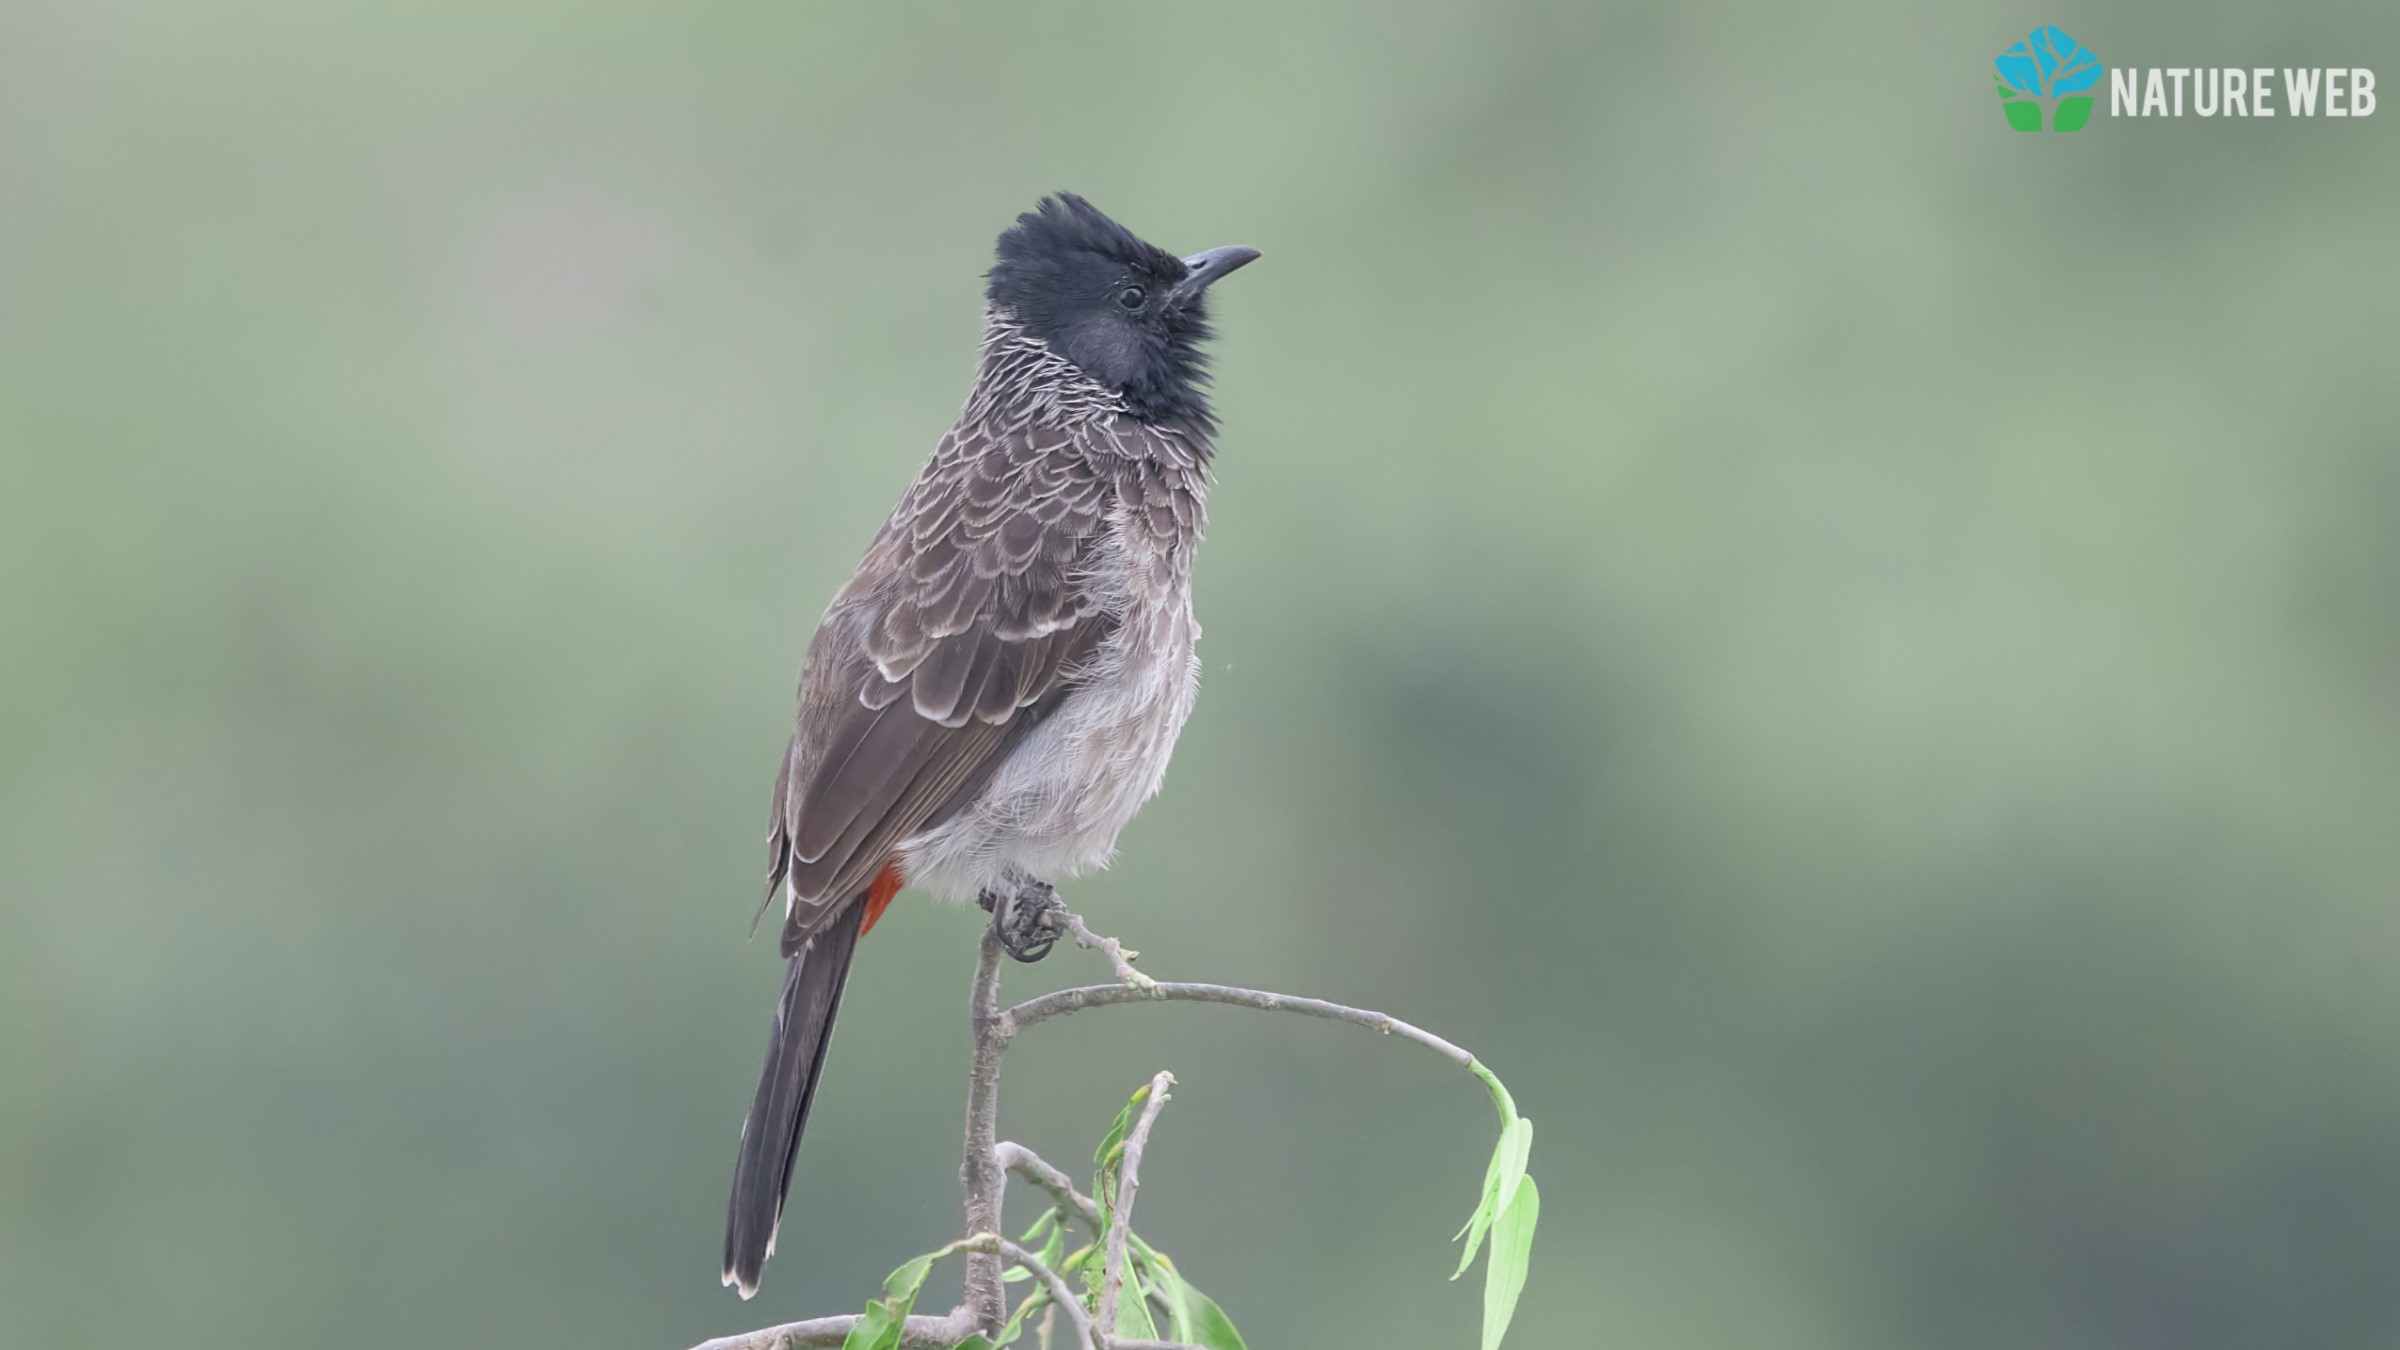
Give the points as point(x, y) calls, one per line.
point(980, 1171)
point(1120, 1203)
point(921, 1333)
point(1040, 1175)
point(1119, 959)
point(1061, 1293)
point(1066, 1001)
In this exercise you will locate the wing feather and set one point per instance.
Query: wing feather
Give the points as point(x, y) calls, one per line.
point(966, 625)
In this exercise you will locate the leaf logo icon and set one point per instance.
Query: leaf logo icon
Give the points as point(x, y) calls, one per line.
point(2048, 73)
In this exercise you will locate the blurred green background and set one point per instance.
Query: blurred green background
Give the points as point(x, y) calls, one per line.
point(1850, 652)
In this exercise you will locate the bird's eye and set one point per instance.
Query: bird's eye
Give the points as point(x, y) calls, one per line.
point(1131, 297)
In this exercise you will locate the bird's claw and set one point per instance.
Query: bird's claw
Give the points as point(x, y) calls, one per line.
point(1028, 923)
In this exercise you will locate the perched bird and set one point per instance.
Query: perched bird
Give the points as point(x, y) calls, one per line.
point(999, 686)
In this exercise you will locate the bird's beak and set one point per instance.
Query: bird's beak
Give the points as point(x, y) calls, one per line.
point(1203, 269)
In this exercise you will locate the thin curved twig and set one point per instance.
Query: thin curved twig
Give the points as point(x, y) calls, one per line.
point(1061, 1294)
point(1039, 1174)
point(920, 1333)
point(1047, 1006)
point(1119, 959)
point(1120, 1204)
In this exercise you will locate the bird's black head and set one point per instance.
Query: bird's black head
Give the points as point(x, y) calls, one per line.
point(1129, 314)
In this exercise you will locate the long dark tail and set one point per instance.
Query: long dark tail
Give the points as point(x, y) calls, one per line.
point(812, 994)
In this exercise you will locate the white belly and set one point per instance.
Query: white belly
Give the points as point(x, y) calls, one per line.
point(1054, 808)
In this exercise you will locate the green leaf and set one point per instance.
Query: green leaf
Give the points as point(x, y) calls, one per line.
point(1056, 1247)
point(1053, 1223)
point(1195, 1318)
point(1038, 1300)
point(1111, 1153)
point(1502, 1174)
point(1082, 1261)
point(1482, 1217)
point(902, 1284)
point(1517, 1144)
point(880, 1326)
point(1512, 1251)
point(1016, 1320)
point(1119, 1128)
point(1165, 1282)
point(1500, 1179)
point(1133, 1311)
point(875, 1330)
point(1040, 1226)
point(1211, 1327)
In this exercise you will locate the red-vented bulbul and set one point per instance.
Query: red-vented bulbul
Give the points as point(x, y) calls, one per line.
point(999, 686)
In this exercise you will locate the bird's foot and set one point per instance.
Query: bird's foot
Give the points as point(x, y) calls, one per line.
point(1028, 921)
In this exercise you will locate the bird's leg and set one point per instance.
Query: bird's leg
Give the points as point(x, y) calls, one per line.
point(1028, 919)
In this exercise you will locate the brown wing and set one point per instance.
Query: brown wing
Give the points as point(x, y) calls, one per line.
point(962, 629)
